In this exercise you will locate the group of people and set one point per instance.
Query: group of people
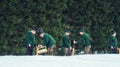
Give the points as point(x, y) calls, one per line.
point(30, 42)
point(84, 39)
point(50, 42)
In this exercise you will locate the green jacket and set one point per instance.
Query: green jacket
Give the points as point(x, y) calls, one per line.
point(85, 40)
point(66, 42)
point(48, 40)
point(113, 41)
point(29, 39)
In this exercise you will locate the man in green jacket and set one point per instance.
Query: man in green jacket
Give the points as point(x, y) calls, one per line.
point(49, 42)
point(113, 42)
point(85, 40)
point(30, 40)
point(66, 43)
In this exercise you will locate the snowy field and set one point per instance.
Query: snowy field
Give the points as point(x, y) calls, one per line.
point(100, 60)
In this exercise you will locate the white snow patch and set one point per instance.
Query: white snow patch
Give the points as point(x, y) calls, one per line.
point(100, 60)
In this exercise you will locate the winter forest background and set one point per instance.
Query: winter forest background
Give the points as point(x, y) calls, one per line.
point(97, 16)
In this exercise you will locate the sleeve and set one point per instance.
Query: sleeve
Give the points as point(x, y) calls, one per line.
point(33, 42)
point(27, 39)
point(46, 41)
point(79, 41)
point(87, 39)
point(111, 41)
point(66, 41)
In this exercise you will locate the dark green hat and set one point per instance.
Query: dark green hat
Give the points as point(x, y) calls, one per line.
point(69, 31)
point(81, 30)
point(113, 31)
point(40, 31)
point(35, 28)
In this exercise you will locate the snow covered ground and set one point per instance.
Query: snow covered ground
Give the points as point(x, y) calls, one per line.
point(100, 60)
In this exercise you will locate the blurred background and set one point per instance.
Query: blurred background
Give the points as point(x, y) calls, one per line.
point(97, 16)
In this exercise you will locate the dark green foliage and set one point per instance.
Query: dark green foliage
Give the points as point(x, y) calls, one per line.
point(16, 16)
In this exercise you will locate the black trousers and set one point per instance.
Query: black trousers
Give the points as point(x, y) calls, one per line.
point(29, 51)
point(114, 51)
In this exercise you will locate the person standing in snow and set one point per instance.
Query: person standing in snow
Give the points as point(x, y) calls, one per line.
point(49, 41)
point(66, 43)
point(113, 42)
point(85, 39)
point(30, 40)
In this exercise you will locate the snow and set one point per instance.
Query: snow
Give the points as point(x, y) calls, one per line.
point(96, 60)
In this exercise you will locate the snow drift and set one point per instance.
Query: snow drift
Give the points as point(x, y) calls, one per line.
point(103, 60)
